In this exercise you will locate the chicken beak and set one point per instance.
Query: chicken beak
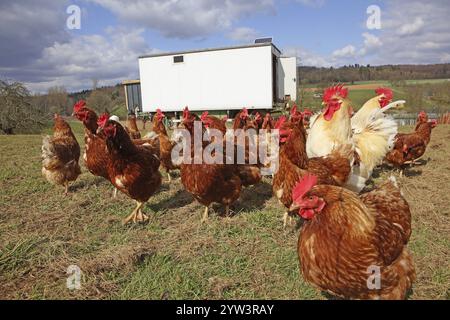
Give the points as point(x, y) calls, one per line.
point(99, 130)
point(294, 207)
point(400, 104)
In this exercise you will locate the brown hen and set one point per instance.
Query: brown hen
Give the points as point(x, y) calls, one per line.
point(354, 246)
point(60, 155)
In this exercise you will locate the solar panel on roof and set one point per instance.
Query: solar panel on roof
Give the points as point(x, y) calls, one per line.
point(263, 40)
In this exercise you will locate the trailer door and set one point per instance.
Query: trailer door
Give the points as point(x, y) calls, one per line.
point(274, 79)
point(289, 65)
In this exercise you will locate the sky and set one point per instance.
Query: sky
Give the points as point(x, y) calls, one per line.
point(39, 49)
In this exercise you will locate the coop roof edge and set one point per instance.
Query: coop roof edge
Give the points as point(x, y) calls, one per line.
point(254, 45)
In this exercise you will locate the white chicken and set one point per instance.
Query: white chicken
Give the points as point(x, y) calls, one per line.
point(370, 131)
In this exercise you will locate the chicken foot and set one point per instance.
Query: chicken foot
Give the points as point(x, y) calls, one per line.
point(137, 215)
point(141, 217)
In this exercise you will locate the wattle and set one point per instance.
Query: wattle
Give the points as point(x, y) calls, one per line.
point(307, 213)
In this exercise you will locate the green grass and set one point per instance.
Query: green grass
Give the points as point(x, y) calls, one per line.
point(358, 96)
point(426, 81)
point(248, 256)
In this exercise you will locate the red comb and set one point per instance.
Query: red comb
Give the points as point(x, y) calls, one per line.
point(207, 122)
point(422, 114)
point(281, 120)
point(244, 114)
point(101, 121)
point(304, 186)
point(295, 115)
point(186, 113)
point(257, 117)
point(338, 90)
point(386, 91)
point(79, 105)
point(159, 114)
point(388, 95)
point(204, 116)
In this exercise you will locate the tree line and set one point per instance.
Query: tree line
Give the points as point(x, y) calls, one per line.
point(353, 73)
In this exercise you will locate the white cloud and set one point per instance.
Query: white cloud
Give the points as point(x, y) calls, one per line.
point(347, 51)
point(445, 58)
point(371, 41)
point(371, 44)
point(243, 35)
point(27, 28)
point(109, 59)
point(414, 32)
point(187, 18)
point(307, 58)
point(41, 52)
point(312, 3)
point(411, 28)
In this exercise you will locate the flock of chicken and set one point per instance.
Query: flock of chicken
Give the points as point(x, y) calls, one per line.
point(347, 237)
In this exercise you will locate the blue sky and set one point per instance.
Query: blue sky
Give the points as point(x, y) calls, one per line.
point(291, 24)
point(43, 52)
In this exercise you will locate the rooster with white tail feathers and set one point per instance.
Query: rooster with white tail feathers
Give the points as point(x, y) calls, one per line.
point(370, 130)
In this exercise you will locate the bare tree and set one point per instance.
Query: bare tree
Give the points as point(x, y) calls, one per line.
point(100, 101)
point(17, 114)
point(57, 100)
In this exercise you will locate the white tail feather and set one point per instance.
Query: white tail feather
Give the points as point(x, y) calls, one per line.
point(374, 138)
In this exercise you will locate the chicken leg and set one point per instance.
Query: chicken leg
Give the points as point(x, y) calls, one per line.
point(134, 215)
point(115, 193)
point(285, 218)
point(227, 210)
point(205, 215)
point(169, 178)
point(66, 188)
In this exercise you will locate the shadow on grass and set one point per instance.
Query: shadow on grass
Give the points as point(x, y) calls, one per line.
point(180, 199)
point(252, 198)
point(408, 169)
point(96, 181)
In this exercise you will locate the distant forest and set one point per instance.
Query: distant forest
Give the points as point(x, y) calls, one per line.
point(352, 73)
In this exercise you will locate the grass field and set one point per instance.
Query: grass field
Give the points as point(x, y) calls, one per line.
point(359, 92)
point(249, 255)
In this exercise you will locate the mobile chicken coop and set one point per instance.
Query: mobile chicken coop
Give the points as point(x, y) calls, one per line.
point(254, 76)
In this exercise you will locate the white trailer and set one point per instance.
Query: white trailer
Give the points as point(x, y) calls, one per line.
point(254, 76)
